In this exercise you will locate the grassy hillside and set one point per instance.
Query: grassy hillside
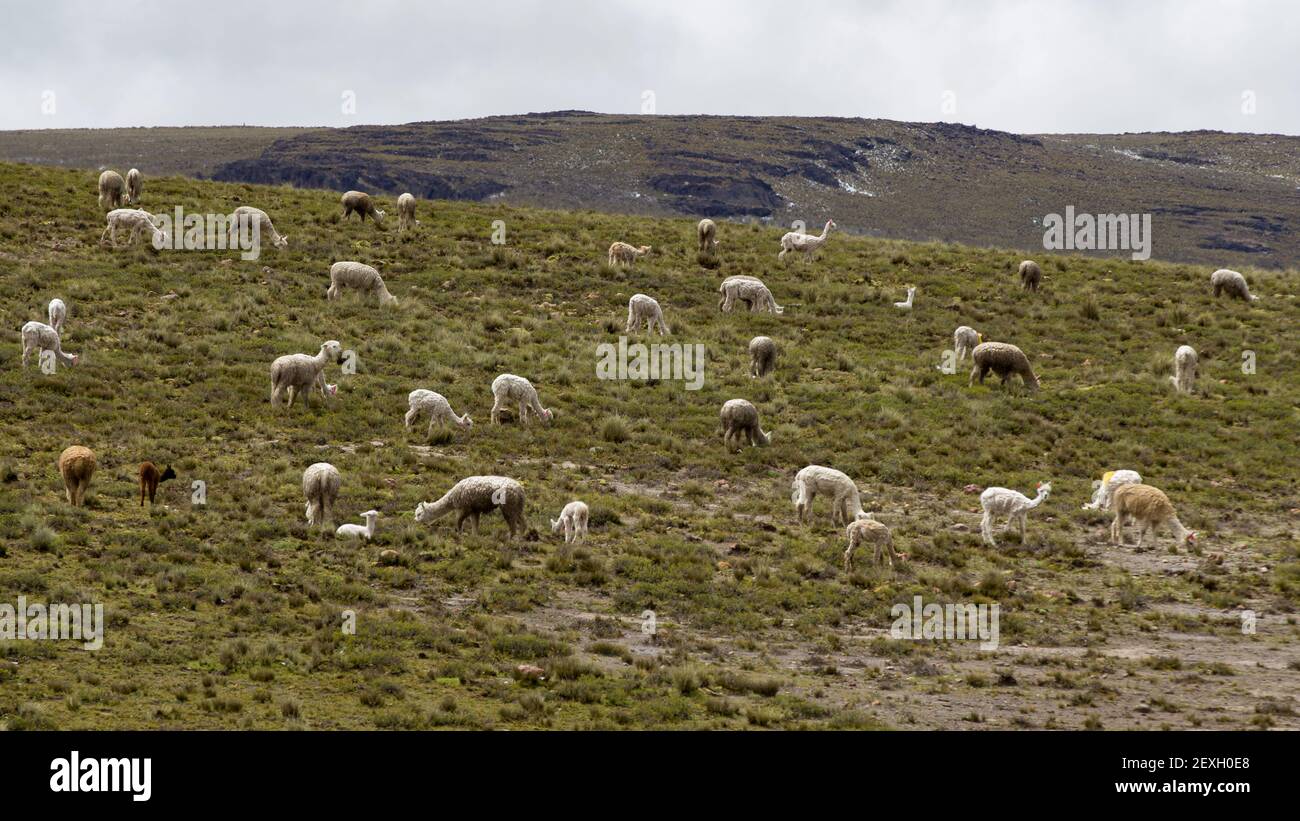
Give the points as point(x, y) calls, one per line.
point(229, 615)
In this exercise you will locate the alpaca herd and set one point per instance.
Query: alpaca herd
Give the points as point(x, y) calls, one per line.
point(1121, 492)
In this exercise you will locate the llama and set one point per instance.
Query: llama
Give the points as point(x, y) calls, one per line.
point(749, 290)
point(573, 518)
point(805, 243)
point(1030, 275)
point(964, 340)
point(1110, 481)
point(621, 252)
point(740, 422)
point(906, 305)
point(58, 312)
point(707, 232)
point(508, 388)
point(298, 373)
point(111, 189)
point(367, 532)
point(1004, 360)
point(867, 529)
point(76, 465)
point(361, 277)
point(406, 212)
point(420, 401)
point(762, 356)
point(1186, 366)
point(135, 220)
point(1001, 501)
point(476, 495)
point(1150, 508)
point(134, 186)
point(37, 336)
point(814, 479)
point(1232, 283)
point(150, 478)
point(320, 484)
point(645, 310)
point(359, 203)
point(247, 215)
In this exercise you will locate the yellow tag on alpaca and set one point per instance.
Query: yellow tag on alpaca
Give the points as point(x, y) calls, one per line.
point(1105, 477)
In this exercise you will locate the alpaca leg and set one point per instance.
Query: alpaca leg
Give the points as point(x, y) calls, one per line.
point(523, 412)
point(568, 531)
point(411, 416)
point(460, 520)
point(986, 529)
point(848, 557)
point(1021, 519)
point(631, 321)
point(496, 411)
point(429, 432)
point(889, 550)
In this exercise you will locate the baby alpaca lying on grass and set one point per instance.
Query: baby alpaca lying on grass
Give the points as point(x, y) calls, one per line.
point(366, 531)
point(573, 518)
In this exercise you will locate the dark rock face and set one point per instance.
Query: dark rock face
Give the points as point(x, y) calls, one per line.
point(718, 196)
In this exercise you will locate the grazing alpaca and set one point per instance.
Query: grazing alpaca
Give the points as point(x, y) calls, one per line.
point(150, 478)
point(58, 312)
point(1001, 501)
point(707, 231)
point(475, 495)
point(320, 484)
point(749, 290)
point(508, 388)
point(1186, 365)
point(137, 222)
point(111, 189)
point(359, 203)
point(37, 336)
point(762, 356)
point(406, 212)
point(361, 277)
point(573, 518)
point(626, 254)
point(298, 373)
point(806, 243)
point(1150, 508)
point(366, 532)
point(1233, 283)
point(645, 310)
point(964, 340)
point(1110, 482)
point(906, 306)
point(866, 529)
point(421, 401)
point(243, 220)
point(76, 466)
point(740, 424)
point(1030, 275)
point(134, 186)
point(1003, 359)
point(846, 505)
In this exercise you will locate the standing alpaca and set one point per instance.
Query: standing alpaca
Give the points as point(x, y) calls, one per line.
point(573, 518)
point(111, 189)
point(352, 531)
point(762, 356)
point(244, 218)
point(320, 484)
point(1233, 283)
point(964, 340)
point(1003, 359)
point(359, 203)
point(360, 277)
point(134, 186)
point(508, 388)
point(740, 422)
point(1150, 508)
point(867, 529)
point(749, 290)
point(807, 243)
point(476, 495)
point(1030, 275)
point(57, 312)
point(37, 336)
point(707, 232)
point(135, 220)
point(76, 466)
point(645, 310)
point(298, 373)
point(621, 252)
point(814, 479)
point(907, 304)
point(421, 401)
point(1186, 366)
point(1110, 482)
point(150, 478)
point(1001, 501)
point(406, 212)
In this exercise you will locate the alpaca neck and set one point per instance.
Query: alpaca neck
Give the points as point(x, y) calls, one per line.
point(825, 230)
point(1180, 532)
point(1036, 501)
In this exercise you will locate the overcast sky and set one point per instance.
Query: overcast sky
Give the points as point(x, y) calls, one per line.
point(1034, 66)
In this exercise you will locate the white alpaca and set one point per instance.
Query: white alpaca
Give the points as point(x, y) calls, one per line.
point(476, 495)
point(1186, 366)
point(645, 310)
point(806, 243)
point(510, 389)
point(906, 306)
point(964, 340)
point(366, 531)
point(361, 277)
point(58, 312)
point(320, 484)
point(1001, 501)
point(406, 212)
point(846, 505)
point(111, 189)
point(867, 529)
point(740, 424)
point(573, 518)
point(298, 373)
point(37, 336)
point(136, 221)
point(243, 218)
point(749, 290)
point(421, 401)
point(134, 186)
point(1111, 480)
point(1233, 283)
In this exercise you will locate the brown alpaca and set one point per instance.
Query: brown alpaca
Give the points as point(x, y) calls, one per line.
point(76, 466)
point(149, 479)
point(1030, 275)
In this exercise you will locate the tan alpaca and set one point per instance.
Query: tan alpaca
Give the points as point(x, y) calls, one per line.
point(76, 466)
point(873, 532)
point(626, 254)
point(1150, 508)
